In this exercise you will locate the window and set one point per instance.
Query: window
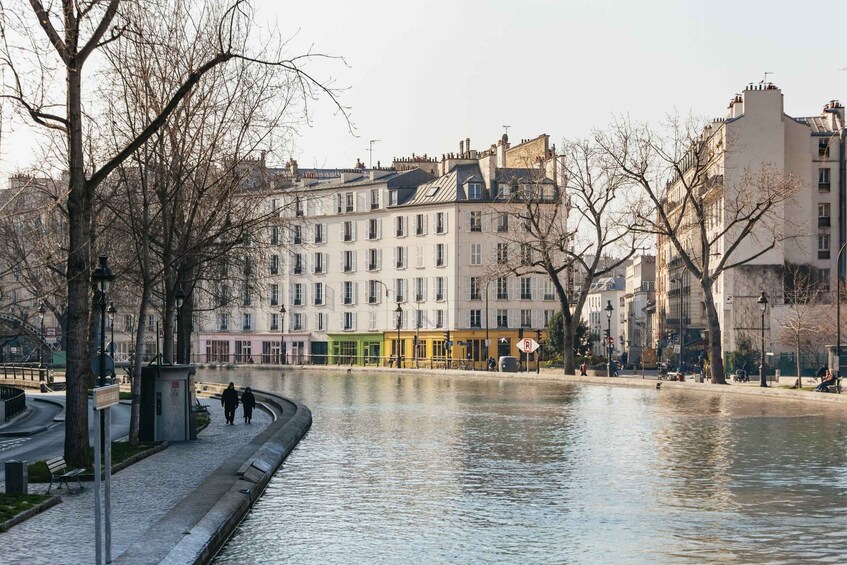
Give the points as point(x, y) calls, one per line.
point(321, 321)
point(474, 191)
point(474, 290)
point(823, 215)
point(439, 318)
point(349, 321)
point(373, 259)
point(297, 321)
point(349, 199)
point(348, 233)
point(349, 261)
point(319, 262)
point(823, 148)
point(549, 291)
point(419, 321)
point(440, 255)
point(526, 288)
point(274, 264)
point(526, 254)
point(475, 221)
point(275, 235)
point(374, 199)
point(297, 235)
point(502, 253)
point(151, 323)
point(420, 289)
point(420, 224)
point(392, 197)
point(526, 318)
point(439, 288)
point(319, 233)
point(476, 253)
point(505, 190)
point(373, 292)
point(400, 289)
point(400, 257)
point(419, 257)
point(502, 318)
point(319, 294)
point(502, 289)
point(476, 319)
point(298, 264)
point(223, 322)
point(129, 323)
point(823, 179)
point(400, 226)
point(823, 280)
point(823, 246)
point(373, 228)
point(243, 351)
point(274, 322)
point(223, 296)
point(503, 222)
point(298, 295)
point(440, 223)
point(247, 322)
point(548, 316)
point(248, 295)
point(348, 292)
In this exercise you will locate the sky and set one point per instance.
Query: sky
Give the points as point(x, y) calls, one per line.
point(420, 76)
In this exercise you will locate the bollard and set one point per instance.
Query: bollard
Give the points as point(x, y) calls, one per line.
point(16, 477)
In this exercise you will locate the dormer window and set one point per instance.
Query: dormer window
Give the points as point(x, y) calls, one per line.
point(474, 191)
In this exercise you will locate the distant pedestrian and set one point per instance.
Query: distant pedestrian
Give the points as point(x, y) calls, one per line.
point(229, 400)
point(583, 372)
point(248, 402)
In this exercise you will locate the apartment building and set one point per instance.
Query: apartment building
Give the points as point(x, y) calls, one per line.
point(757, 133)
point(603, 294)
point(362, 256)
point(640, 283)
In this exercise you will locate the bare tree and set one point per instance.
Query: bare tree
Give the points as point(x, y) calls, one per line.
point(571, 232)
point(64, 37)
point(685, 201)
point(807, 299)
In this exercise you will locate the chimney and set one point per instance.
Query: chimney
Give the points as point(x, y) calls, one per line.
point(468, 144)
point(293, 167)
point(461, 148)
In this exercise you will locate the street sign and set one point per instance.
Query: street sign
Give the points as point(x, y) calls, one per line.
point(528, 345)
point(109, 364)
point(105, 396)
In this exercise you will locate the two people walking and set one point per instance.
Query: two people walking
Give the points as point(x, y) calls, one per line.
point(230, 401)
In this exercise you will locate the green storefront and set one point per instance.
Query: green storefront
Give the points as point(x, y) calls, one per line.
point(355, 349)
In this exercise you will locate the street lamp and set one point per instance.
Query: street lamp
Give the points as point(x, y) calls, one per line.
point(609, 308)
point(681, 340)
point(282, 335)
point(180, 300)
point(41, 311)
point(399, 312)
point(112, 311)
point(838, 312)
point(763, 305)
point(103, 277)
point(538, 355)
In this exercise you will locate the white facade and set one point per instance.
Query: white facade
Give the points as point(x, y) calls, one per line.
point(604, 292)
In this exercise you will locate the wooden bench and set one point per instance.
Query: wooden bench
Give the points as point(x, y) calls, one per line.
point(200, 408)
point(57, 468)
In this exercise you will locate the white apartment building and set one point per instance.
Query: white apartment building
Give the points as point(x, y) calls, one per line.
point(640, 284)
point(605, 292)
point(757, 133)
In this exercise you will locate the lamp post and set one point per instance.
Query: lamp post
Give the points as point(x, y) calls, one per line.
point(282, 335)
point(399, 312)
point(609, 308)
point(763, 305)
point(103, 277)
point(180, 300)
point(487, 342)
point(112, 311)
point(538, 355)
point(596, 333)
point(681, 340)
point(41, 312)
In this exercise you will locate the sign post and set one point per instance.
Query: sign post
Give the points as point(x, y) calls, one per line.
point(104, 398)
point(528, 345)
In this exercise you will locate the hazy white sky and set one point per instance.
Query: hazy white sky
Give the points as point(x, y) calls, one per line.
point(423, 75)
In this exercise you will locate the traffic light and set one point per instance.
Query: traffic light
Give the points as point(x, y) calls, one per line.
point(447, 340)
point(606, 335)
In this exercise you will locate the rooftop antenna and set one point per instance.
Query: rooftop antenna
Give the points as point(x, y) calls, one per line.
point(765, 80)
point(507, 130)
point(371, 152)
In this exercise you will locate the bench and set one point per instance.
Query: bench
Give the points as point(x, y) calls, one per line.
point(57, 468)
point(200, 408)
point(836, 387)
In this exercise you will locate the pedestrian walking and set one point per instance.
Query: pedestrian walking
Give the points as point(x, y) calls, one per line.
point(583, 370)
point(229, 400)
point(248, 402)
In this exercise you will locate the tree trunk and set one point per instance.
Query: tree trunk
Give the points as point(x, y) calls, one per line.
point(569, 324)
point(799, 378)
point(715, 352)
point(135, 411)
point(78, 311)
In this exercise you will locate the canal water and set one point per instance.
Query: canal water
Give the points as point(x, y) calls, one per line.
point(451, 469)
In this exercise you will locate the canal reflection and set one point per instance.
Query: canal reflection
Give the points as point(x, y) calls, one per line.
point(422, 468)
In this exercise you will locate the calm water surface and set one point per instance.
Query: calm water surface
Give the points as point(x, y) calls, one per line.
point(448, 469)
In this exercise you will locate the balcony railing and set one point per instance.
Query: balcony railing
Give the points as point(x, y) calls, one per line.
point(823, 253)
point(823, 187)
point(824, 221)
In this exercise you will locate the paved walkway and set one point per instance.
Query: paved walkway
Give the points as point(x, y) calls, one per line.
point(141, 495)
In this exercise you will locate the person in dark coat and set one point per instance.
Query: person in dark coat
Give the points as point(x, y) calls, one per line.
point(229, 400)
point(248, 402)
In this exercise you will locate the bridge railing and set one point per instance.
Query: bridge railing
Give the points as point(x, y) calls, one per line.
point(12, 402)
